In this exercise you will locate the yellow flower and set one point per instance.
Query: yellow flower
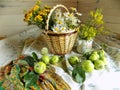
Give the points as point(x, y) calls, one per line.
point(38, 2)
point(56, 28)
point(35, 8)
point(91, 13)
point(28, 16)
point(42, 13)
point(71, 15)
point(47, 7)
point(73, 9)
point(38, 18)
point(63, 28)
point(59, 22)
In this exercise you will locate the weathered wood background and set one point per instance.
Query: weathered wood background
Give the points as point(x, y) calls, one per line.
point(12, 13)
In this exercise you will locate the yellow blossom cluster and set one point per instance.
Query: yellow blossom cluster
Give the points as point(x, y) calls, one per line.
point(37, 15)
point(93, 26)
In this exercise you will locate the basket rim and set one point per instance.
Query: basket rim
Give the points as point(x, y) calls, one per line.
point(51, 33)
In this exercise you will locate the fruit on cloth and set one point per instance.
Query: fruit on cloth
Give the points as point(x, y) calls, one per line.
point(44, 51)
point(99, 64)
point(101, 53)
point(73, 60)
point(87, 66)
point(45, 59)
point(39, 67)
point(54, 59)
point(104, 60)
point(94, 56)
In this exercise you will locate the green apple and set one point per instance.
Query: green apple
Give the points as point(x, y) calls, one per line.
point(44, 51)
point(39, 67)
point(99, 64)
point(101, 53)
point(73, 60)
point(104, 60)
point(87, 66)
point(94, 57)
point(54, 59)
point(45, 59)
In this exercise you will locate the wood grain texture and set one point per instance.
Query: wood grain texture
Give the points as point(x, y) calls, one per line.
point(12, 13)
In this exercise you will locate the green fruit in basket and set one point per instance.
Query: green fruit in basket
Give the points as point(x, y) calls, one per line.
point(39, 67)
point(54, 59)
point(87, 66)
point(99, 64)
point(94, 56)
point(45, 59)
point(44, 51)
point(73, 60)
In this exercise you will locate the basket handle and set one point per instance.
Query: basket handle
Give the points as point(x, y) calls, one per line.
point(51, 11)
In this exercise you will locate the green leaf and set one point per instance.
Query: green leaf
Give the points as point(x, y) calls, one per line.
point(1, 88)
point(1, 82)
point(36, 86)
point(14, 77)
point(30, 60)
point(35, 57)
point(23, 71)
point(30, 79)
point(22, 62)
point(78, 74)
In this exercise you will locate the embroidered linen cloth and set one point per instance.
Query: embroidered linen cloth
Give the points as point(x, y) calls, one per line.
point(28, 42)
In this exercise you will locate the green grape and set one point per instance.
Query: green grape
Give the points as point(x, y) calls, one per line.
point(54, 59)
point(87, 66)
point(44, 51)
point(45, 59)
point(39, 67)
point(73, 60)
point(99, 64)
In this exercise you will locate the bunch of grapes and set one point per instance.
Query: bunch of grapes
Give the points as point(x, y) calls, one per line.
point(94, 60)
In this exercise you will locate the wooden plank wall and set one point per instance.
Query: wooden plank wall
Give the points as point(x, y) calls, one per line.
point(11, 13)
point(111, 11)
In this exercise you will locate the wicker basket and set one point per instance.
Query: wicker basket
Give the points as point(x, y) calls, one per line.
point(59, 43)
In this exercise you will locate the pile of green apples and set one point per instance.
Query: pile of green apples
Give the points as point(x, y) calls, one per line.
point(41, 66)
point(94, 60)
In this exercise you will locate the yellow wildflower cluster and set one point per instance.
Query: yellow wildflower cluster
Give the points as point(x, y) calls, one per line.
point(93, 26)
point(37, 15)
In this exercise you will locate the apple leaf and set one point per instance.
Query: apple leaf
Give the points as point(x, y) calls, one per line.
point(30, 60)
point(78, 74)
point(30, 79)
point(35, 57)
point(1, 82)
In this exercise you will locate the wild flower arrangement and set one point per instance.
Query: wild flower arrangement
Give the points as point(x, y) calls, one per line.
point(59, 22)
point(67, 21)
point(93, 26)
point(37, 15)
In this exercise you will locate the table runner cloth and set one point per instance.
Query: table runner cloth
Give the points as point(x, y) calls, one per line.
point(30, 41)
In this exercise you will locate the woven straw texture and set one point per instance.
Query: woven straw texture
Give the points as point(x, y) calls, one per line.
point(59, 43)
